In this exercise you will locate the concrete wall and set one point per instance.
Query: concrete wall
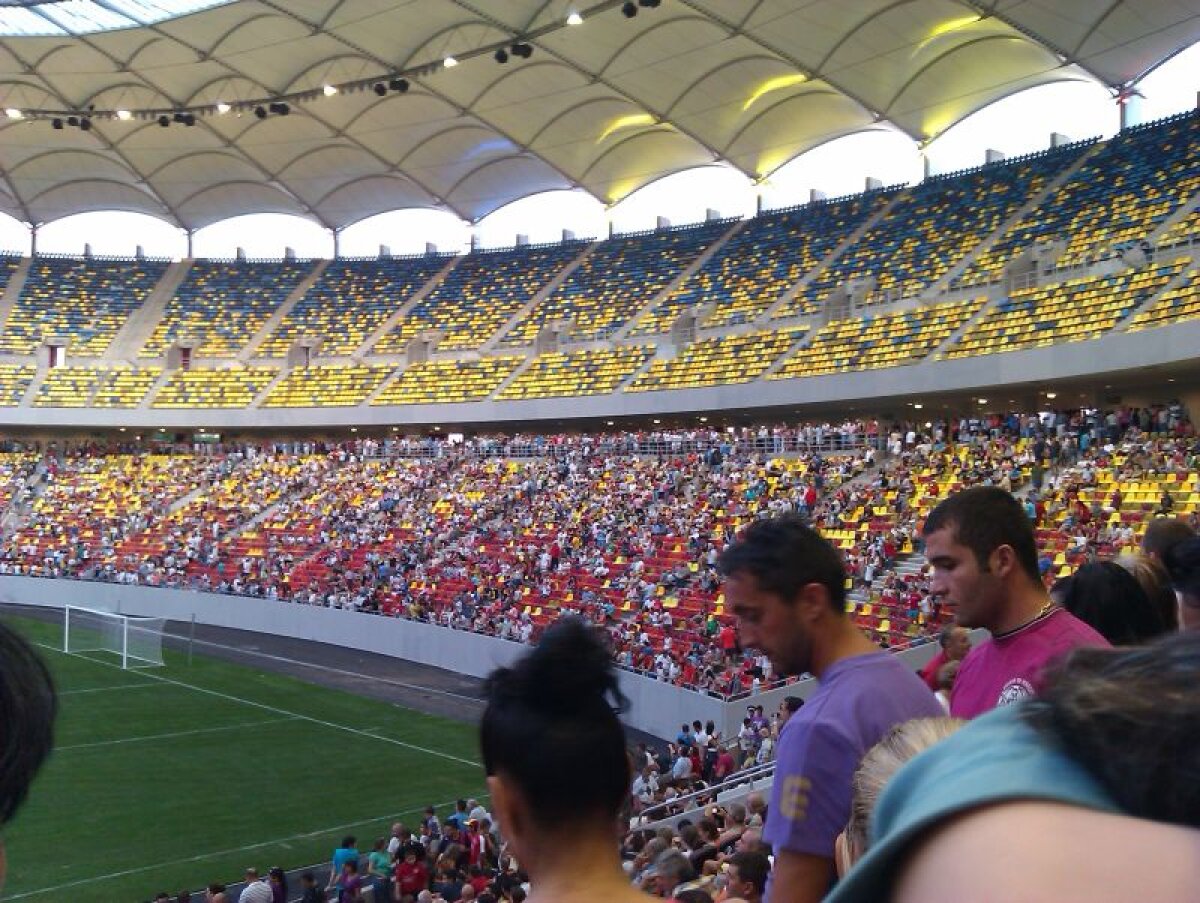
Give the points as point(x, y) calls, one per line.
point(656, 708)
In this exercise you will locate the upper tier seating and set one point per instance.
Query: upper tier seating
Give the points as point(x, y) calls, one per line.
point(617, 278)
point(586, 372)
point(331, 385)
point(1070, 311)
point(483, 291)
point(771, 253)
point(84, 300)
point(222, 304)
point(202, 388)
point(124, 387)
point(14, 382)
point(932, 227)
point(441, 382)
point(889, 340)
point(67, 387)
point(721, 361)
point(1120, 194)
point(1178, 303)
point(349, 301)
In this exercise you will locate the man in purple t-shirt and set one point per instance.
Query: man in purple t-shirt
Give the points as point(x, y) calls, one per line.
point(787, 587)
point(981, 547)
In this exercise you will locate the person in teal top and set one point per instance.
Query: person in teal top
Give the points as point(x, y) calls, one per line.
point(1088, 792)
point(347, 852)
point(379, 870)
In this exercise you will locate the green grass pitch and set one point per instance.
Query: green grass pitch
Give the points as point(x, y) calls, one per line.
point(169, 778)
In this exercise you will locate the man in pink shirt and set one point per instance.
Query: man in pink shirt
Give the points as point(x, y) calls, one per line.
point(981, 547)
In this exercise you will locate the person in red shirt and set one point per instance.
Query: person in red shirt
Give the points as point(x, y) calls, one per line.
point(412, 876)
point(729, 642)
point(956, 643)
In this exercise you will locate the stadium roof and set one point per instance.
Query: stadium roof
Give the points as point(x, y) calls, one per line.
point(607, 105)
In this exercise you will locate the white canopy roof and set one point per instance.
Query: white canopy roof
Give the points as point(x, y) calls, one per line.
point(606, 106)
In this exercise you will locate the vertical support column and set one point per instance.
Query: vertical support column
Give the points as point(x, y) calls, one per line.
point(191, 235)
point(33, 237)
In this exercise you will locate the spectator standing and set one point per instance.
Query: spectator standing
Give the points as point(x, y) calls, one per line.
point(787, 587)
point(955, 643)
point(984, 558)
point(346, 852)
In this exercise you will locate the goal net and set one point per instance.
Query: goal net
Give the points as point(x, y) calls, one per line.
point(135, 640)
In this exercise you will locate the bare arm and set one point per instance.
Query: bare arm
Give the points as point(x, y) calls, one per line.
point(800, 877)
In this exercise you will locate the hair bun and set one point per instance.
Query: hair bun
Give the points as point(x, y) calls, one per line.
point(568, 671)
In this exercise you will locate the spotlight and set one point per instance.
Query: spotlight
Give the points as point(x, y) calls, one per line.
point(72, 121)
point(164, 120)
point(629, 10)
point(399, 84)
point(650, 4)
point(56, 124)
point(178, 117)
point(449, 62)
point(85, 124)
point(189, 119)
point(259, 111)
point(501, 56)
point(124, 115)
point(14, 113)
point(523, 50)
point(380, 89)
point(223, 108)
point(574, 19)
point(329, 90)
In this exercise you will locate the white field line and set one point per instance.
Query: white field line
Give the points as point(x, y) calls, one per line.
point(172, 735)
point(284, 712)
point(106, 689)
point(202, 857)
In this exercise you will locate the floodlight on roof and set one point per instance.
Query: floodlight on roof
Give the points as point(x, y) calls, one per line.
point(574, 19)
point(399, 84)
point(14, 113)
point(629, 9)
point(223, 108)
point(523, 50)
point(329, 90)
point(449, 62)
point(501, 56)
point(124, 115)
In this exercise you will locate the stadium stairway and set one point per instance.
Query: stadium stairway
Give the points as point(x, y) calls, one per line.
point(684, 275)
point(134, 333)
point(513, 377)
point(155, 388)
point(907, 566)
point(943, 283)
point(493, 343)
point(273, 321)
point(1182, 276)
point(767, 318)
point(995, 294)
point(800, 343)
point(1184, 211)
point(373, 338)
point(12, 291)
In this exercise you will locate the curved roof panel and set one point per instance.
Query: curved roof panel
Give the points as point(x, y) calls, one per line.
point(607, 106)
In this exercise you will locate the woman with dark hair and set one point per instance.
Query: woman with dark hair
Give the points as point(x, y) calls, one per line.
point(1110, 599)
point(1183, 564)
point(557, 767)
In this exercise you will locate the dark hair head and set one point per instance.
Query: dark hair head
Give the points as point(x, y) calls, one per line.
point(1155, 582)
point(1182, 561)
point(784, 554)
point(694, 895)
point(1132, 718)
point(792, 703)
point(28, 706)
point(1109, 598)
point(551, 717)
point(348, 841)
point(752, 866)
point(983, 518)
point(1162, 534)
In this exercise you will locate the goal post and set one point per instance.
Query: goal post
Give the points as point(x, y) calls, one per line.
point(135, 640)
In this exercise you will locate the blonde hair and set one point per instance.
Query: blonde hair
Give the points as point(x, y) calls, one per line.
point(881, 761)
